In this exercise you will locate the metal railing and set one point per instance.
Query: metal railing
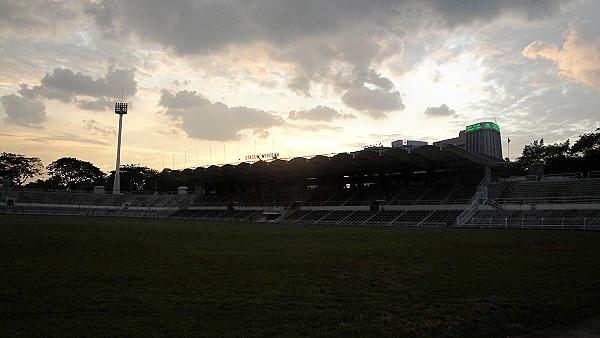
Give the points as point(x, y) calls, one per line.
point(535, 223)
point(481, 194)
point(82, 213)
point(550, 200)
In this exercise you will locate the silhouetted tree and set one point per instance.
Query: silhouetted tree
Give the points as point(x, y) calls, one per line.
point(42, 184)
point(532, 154)
point(15, 169)
point(135, 178)
point(71, 173)
point(583, 156)
point(587, 145)
point(537, 153)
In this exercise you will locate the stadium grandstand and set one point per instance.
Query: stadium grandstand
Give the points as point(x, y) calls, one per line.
point(460, 182)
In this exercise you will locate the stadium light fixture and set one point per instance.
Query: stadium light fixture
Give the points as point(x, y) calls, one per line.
point(120, 109)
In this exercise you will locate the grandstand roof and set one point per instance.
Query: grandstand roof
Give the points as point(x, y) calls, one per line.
point(368, 161)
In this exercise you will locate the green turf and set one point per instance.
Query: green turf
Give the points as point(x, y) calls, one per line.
point(113, 277)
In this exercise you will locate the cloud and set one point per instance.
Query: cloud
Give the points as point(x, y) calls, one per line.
point(373, 102)
point(319, 113)
point(300, 85)
point(103, 14)
point(199, 27)
point(456, 13)
point(23, 111)
point(27, 109)
point(318, 40)
point(578, 59)
point(95, 128)
point(369, 92)
point(26, 17)
point(315, 128)
point(69, 138)
point(64, 85)
point(201, 119)
point(100, 104)
point(86, 92)
point(441, 111)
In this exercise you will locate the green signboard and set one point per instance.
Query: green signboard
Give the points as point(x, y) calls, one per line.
point(483, 125)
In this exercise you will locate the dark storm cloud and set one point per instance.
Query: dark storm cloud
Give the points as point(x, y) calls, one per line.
point(103, 14)
point(64, 85)
point(201, 119)
point(201, 26)
point(314, 36)
point(23, 111)
point(463, 12)
point(98, 94)
point(319, 113)
point(441, 111)
point(25, 17)
point(27, 109)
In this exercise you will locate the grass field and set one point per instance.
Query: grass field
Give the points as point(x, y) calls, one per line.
point(105, 277)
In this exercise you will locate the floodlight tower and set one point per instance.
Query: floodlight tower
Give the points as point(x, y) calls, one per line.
point(120, 109)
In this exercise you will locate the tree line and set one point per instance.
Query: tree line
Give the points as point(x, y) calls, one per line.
point(68, 173)
point(582, 156)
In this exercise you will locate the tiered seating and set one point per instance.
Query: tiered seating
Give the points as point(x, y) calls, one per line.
point(246, 215)
point(319, 197)
point(411, 217)
point(296, 215)
point(360, 217)
point(445, 217)
point(315, 215)
point(86, 211)
point(201, 214)
point(496, 190)
point(389, 192)
point(463, 193)
point(340, 197)
point(335, 217)
point(211, 199)
point(520, 190)
point(364, 196)
point(589, 187)
point(436, 194)
point(555, 190)
point(409, 195)
point(288, 197)
point(385, 217)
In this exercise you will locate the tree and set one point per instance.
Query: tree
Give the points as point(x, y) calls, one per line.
point(71, 173)
point(583, 156)
point(588, 145)
point(532, 154)
point(136, 178)
point(15, 169)
point(537, 153)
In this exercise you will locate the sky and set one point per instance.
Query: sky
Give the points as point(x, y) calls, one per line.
point(209, 82)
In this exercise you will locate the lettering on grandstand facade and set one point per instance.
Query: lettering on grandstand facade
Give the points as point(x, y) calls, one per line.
point(262, 157)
